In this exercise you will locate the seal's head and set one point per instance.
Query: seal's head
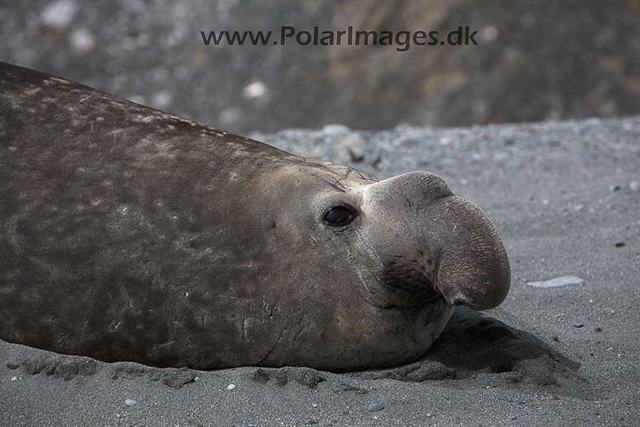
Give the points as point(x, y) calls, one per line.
point(373, 269)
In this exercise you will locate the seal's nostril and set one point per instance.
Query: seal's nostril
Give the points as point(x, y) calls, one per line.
point(409, 282)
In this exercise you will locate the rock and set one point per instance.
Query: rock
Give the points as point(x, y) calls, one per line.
point(82, 41)
point(59, 14)
point(130, 402)
point(254, 90)
point(335, 129)
point(355, 154)
point(375, 407)
point(354, 145)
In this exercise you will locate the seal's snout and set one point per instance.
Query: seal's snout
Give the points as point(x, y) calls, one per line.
point(473, 268)
point(458, 248)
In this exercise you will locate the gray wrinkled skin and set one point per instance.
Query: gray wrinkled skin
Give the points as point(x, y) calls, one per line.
point(130, 234)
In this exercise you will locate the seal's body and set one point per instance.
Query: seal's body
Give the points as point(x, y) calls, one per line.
point(130, 234)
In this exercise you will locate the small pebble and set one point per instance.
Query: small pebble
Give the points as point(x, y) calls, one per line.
point(315, 405)
point(356, 154)
point(130, 402)
point(161, 99)
point(620, 244)
point(578, 324)
point(615, 188)
point(355, 146)
point(598, 329)
point(254, 90)
point(82, 41)
point(14, 378)
point(515, 417)
point(231, 386)
point(335, 129)
point(375, 407)
point(59, 14)
point(634, 185)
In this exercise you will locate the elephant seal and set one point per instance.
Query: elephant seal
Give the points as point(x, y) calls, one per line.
point(127, 233)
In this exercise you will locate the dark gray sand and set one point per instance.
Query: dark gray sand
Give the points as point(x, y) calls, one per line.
point(565, 198)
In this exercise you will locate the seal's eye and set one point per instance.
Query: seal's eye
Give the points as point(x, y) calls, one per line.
point(340, 215)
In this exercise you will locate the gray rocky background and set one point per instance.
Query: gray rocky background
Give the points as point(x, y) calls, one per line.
point(535, 60)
